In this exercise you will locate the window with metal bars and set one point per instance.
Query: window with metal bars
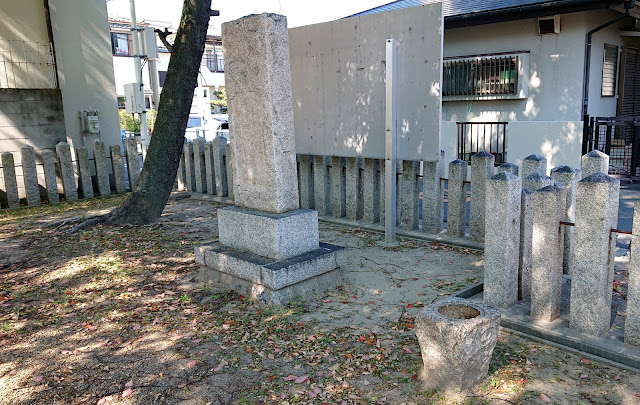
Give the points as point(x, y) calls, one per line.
point(609, 71)
point(489, 75)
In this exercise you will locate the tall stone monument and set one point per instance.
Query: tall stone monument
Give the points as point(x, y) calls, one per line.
point(268, 247)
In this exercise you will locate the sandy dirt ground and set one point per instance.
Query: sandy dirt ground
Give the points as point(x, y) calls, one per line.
point(116, 315)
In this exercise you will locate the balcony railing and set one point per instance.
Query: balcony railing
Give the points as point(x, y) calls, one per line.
point(27, 65)
point(214, 62)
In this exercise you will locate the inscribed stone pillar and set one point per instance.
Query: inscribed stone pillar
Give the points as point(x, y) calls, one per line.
point(353, 188)
point(258, 83)
point(338, 188)
point(220, 169)
point(50, 178)
point(305, 172)
point(66, 170)
point(535, 181)
point(199, 166)
point(532, 164)
point(546, 269)
point(597, 198)
point(481, 171)
point(456, 207)
point(10, 182)
point(321, 184)
point(594, 162)
point(508, 167)
point(371, 191)
point(209, 168)
point(84, 172)
point(29, 175)
point(632, 321)
point(431, 197)
point(133, 162)
point(410, 195)
point(502, 237)
point(228, 158)
point(117, 168)
point(568, 177)
point(526, 234)
point(102, 174)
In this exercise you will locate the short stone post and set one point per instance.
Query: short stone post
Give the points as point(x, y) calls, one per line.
point(117, 168)
point(133, 163)
point(338, 188)
point(50, 178)
point(594, 162)
point(536, 181)
point(305, 173)
point(481, 171)
point(180, 177)
point(66, 170)
point(10, 181)
point(546, 269)
point(189, 167)
point(632, 321)
point(410, 195)
point(209, 169)
point(321, 184)
point(502, 237)
point(199, 166)
point(568, 177)
point(228, 153)
point(532, 164)
point(597, 198)
point(219, 168)
point(353, 188)
point(102, 174)
point(526, 235)
point(29, 175)
point(371, 191)
point(456, 207)
point(509, 167)
point(82, 154)
point(432, 197)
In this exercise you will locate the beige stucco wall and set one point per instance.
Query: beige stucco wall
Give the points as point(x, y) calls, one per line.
point(85, 68)
point(23, 20)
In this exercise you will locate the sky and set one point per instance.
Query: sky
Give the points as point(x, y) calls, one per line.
point(298, 12)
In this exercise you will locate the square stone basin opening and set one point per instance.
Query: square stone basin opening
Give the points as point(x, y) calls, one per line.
point(459, 311)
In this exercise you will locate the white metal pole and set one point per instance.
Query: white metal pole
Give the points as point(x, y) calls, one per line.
point(135, 35)
point(153, 79)
point(391, 75)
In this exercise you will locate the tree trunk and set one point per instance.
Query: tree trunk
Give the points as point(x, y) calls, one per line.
point(147, 202)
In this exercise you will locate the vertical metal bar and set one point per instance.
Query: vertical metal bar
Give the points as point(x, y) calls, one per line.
point(391, 75)
point(634, 149)
point(607, 146)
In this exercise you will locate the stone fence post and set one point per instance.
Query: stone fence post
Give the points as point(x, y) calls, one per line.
point(632, 322)
point(456, 201)
point(431, 197)
point(594, 162)
point(568, 177)
point(481, 171)
point(10, 181)
point(30, 175)
point(410, 194)
point(509, 167)
point(597, 198)
point(532, 164)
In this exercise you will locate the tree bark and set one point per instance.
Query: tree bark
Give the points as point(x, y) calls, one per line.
point(147, 201)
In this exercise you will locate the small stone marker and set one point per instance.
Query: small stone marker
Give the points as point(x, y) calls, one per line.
point(532, 164)
point(482, 164)
point(228, 154)
point(133, 162)
point(102, 173)
point(594, 162)
point(502, 240)
point(338, 187)
point(30, 175)
point(508, 167)
point(199, 166)
point(410, 195)
point(371, 191)
point(632, 321)
point(568, 177)
point(547, 242)
point(220, 169)
point(50, 177)
point(353, 188)
point(597, 200)
point(117, 169)
point(66, 168)
point(457, 199)
point(82, 155)
point(456, 338)
point(536, 181)
point(209, 168)
point(431, 197)
point(189, 167)
point(10, 181)
point(321, 184)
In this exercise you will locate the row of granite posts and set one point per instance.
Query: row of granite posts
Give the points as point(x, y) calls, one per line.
point(76, 178)
point(541, 227)
point(204, 168)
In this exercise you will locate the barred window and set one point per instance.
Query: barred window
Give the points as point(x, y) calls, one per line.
point(480, 76)
point(609, 71)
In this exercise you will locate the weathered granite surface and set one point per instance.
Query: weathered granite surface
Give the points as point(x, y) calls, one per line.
point(63, 151)
point(534, 163)
point(50, 177)
point(482, 164)
point(102, 173)
point(29, 175)
point(10, 181)
point(632, 321)
point(568, 177)
point(594, 162)
point(457, 196)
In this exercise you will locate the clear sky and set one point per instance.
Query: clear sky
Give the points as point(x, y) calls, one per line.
point(298, 12)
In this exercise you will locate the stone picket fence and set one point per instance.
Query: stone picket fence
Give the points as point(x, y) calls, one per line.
point(50, 177)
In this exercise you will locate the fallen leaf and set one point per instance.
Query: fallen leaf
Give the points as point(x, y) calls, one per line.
point(585, 361)
point(301, 379)
point(127, 393)
point(129, 384)
point(406, 349)
point(222, 364)
point(617, 378)
point(136, 326)
point(38, 379)
point(583, 376)
point(544, 398)
point(192, 363)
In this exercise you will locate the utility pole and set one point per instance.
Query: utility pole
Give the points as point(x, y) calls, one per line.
point(137, 63)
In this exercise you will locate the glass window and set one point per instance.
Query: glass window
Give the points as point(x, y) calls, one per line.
point(120, 44)
point(609, 71)
point(194, 122)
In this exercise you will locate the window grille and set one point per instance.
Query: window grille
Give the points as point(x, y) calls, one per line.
point(609, 71)
point(474, 137)
point(481, 75)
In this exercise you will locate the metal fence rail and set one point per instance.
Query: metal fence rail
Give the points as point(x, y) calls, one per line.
point(27, 65)
point(618, 137)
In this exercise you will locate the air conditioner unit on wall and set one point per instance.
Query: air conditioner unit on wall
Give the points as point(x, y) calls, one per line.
point(549, 25)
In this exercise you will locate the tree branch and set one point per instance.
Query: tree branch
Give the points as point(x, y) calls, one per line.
point(163, 37)
point(214, 13)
